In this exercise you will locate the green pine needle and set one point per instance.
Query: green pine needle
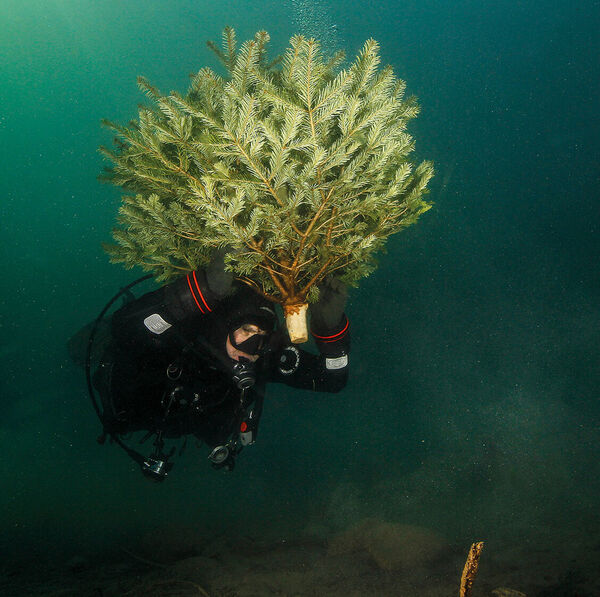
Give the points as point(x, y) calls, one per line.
point(300, 166)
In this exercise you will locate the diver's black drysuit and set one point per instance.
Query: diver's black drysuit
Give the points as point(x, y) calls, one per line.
point(166, 368)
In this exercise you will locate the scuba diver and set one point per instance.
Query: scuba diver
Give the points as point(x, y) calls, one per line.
point(194, 357)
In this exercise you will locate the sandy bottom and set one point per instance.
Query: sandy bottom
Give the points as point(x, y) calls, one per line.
point(371, 559)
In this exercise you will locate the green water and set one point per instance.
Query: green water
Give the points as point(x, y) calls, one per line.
point(473, 402)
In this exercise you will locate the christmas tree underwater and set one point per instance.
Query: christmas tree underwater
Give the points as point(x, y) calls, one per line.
point(298, 166)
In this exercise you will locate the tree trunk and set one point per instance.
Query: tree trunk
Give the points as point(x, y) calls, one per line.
point(295, 321)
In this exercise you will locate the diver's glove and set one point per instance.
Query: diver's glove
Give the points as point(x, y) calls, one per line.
point(201, 290)
point(329, 324)
point(219, 280)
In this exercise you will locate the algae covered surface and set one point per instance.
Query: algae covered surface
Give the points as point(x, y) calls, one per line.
point(372, 558)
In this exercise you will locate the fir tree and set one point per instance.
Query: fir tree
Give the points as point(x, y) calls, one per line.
point(299, 166)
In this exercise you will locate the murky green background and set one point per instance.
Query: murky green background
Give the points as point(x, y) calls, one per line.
point(473, 402)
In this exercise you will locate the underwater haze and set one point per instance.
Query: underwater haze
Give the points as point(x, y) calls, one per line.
point(472, 408)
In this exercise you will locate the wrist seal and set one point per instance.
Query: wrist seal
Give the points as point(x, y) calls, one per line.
point(333, 342)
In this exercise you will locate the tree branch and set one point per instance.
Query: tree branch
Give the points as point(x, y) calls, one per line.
point(315, 278)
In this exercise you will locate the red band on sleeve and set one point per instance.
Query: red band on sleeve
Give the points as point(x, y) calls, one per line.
point(334, 337)
point(193, 295)
point(200, 293)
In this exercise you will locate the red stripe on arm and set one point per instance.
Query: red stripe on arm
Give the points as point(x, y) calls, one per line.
point(193, 295)
point(200, 293)
point(334, 337)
